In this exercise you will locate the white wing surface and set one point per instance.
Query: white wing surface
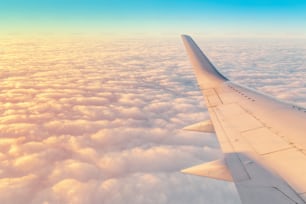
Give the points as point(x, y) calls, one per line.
point(263, 139)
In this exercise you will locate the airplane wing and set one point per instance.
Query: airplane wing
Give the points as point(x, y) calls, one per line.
point(262, 138)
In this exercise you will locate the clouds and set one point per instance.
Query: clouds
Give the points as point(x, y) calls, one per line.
point(274, 66)
point(91, 121)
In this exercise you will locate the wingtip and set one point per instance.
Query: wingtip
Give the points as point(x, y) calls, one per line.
point(185, 36)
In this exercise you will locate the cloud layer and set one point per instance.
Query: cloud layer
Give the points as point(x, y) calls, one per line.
point(96, 121)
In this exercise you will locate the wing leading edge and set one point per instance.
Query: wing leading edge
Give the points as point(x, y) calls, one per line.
point(265, 157)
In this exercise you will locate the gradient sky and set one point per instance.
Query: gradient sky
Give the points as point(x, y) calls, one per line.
point(217, 17)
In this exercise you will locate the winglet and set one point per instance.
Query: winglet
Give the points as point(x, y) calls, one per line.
point(215, 169)
point(204, 126)
point(207, 75)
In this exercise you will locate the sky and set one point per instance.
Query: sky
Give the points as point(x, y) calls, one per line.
point(221, 18)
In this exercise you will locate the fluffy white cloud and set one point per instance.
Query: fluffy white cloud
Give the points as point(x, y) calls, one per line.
point(94, 121)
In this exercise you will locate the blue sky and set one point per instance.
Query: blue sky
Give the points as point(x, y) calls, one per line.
point(215, 17)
